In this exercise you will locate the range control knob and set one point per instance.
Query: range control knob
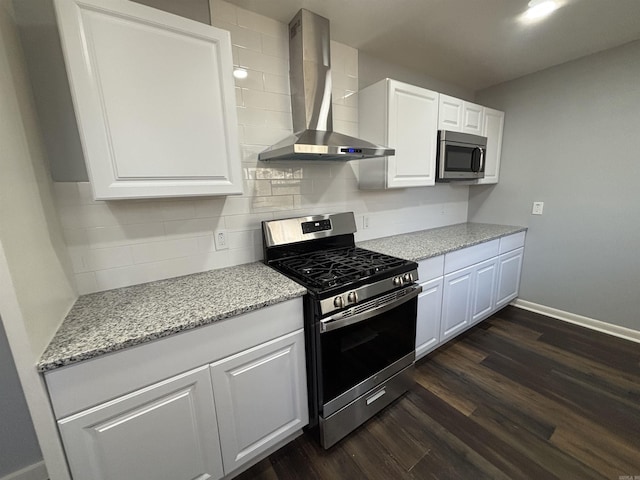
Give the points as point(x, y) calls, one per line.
point(407, 277)
point(352, 297)
point(338, 302)
point(397, 281)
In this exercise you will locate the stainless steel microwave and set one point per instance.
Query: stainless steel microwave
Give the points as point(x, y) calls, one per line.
point(461, 156)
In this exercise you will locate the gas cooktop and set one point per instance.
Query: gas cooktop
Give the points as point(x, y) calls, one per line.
point(327, 269)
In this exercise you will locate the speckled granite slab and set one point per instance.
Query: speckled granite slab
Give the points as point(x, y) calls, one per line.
point(438, 241)
point(108, 321)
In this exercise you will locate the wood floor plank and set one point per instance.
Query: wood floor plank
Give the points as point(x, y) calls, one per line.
point(552, 379)
point(610, 377)
point(393, 436)
point(373, 459)
point(439, 385)
point(539, 450)
point(498, 453)
point(468, 388)
point(333, 463)
point(520, 395)
point(542, 407)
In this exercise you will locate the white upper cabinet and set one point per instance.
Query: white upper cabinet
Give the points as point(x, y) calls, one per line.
point(154, 100)
point(450, 113)
point(458, 115)
point(473, 118)
point(403, 117)
point(493, 127)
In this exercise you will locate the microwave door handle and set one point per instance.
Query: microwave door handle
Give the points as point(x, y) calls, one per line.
point(482, 159)
point(476, 155)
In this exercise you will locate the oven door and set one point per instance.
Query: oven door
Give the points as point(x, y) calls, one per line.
point(460, 161)
point(363, 346)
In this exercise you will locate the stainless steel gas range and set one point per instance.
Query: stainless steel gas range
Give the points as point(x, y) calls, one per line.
point(360, 318)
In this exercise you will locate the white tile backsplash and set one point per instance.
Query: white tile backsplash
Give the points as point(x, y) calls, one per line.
point(260, 23)
point(262, 62)
point(276, 83)
point(115, 244)
point(266, 100)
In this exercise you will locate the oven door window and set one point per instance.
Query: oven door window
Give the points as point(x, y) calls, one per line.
point(354, 353)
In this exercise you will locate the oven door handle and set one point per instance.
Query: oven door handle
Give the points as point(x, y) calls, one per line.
point(337, 321)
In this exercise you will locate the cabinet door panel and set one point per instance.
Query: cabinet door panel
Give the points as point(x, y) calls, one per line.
point(456, 302)
point(413, 117)
point(473, 118)
point(450, 113)
point(493, 128)
point(509, 269)
point(260, 397)
point(149, 129)
point(484, 290)
point(429, 313)
point(165, 431)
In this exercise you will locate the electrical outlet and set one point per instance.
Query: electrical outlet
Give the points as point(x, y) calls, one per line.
point(537, 208)
point(365, 222)
point(220, 237)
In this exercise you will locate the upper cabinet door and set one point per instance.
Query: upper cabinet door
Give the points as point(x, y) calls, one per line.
point(457, 115)
point(472, 118)
point(493, 127)
point(450, 113)
point(413, 132)
point(404, 117)
point(154, 100)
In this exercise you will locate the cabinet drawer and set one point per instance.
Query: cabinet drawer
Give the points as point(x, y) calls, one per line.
point(511, 242)
point(468, 256)
point(430, 268)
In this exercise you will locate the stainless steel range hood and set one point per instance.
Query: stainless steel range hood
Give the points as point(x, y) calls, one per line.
point(310, 81)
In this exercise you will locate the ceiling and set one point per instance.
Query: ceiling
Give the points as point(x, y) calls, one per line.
point(471, 43)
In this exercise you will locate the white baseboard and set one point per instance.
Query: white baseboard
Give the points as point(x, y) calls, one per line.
point(37, 471)
point(592, 323)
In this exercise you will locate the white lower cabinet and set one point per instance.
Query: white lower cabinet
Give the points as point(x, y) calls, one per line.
point(477, 282)
point(456, 302)
point(242, 392)
point(484, 288)
point(166, 431)
point(509, 269)
point(261, 392)
point(429, 314)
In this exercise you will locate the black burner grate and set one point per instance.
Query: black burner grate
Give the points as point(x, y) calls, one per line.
point(332, 268)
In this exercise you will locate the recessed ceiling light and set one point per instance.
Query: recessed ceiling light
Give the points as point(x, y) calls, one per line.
point(240, 73)
point(539, 9)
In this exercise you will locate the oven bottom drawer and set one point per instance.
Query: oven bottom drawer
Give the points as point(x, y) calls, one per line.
point(341, 423)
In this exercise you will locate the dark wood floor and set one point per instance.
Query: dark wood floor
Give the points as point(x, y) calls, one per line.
point(519, 396)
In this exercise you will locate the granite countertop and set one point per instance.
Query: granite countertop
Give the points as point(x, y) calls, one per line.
point(112, 320)
point(417, 246)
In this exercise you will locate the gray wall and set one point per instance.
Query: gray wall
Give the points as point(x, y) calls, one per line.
point(18, 443)
point(194, 9)
point(571, 140)
point(372, 69)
